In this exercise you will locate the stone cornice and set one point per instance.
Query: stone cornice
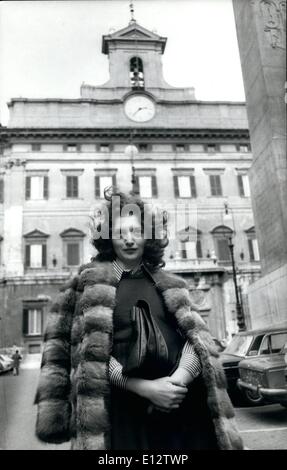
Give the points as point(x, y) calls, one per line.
point(121, 100)
point(11, 135)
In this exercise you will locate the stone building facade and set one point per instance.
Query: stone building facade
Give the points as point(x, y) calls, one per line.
point(189, 157)
point(261, 32)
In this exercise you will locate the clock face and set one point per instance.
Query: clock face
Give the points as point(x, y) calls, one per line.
point(139, 108)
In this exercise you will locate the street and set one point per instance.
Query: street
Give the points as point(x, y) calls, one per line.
point(262, 428)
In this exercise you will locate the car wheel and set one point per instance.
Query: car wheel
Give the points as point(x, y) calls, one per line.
point(253, 398)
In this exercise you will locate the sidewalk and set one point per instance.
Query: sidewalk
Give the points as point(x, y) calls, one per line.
point(17, 412)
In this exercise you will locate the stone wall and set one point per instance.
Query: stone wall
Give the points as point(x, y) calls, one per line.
point(261, 31)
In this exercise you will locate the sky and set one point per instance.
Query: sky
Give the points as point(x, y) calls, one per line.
point(49, 48)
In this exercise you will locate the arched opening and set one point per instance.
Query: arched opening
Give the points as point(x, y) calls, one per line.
point(221, 234)
point(136, 73)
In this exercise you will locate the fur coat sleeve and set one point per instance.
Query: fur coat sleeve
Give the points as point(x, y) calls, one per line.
point(53, 393)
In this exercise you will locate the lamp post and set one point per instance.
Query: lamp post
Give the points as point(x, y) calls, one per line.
point(239, 309)
point(131, 151)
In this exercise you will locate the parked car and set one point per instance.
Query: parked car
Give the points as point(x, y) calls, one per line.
point(6, 363)
point(266, 376)
point(249, 344)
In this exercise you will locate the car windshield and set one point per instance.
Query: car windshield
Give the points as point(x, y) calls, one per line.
point(239, 345)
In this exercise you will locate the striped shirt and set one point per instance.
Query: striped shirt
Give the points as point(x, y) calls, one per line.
point(189, 359)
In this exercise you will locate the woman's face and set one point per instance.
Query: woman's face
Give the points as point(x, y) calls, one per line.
point(129, 242)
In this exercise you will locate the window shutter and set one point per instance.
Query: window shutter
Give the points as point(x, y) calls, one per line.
point(1, 191)
point(184, 254)
point(46, 187)
point(212, 185)
point(137, 184)
point(97, 187)
point(223, 250)
point(218, 185)
point(25, 321)
point(198, 249)
point(114, 180)
point(153, 186)
point(27, 256)
point(251, 251)
point(28, 187)
point(75, 186)
point(73, 254)
point(192, 186)
point(41, 322)
point(175, 186)
point(68, 186)
point(44, 255)
point(240, 185)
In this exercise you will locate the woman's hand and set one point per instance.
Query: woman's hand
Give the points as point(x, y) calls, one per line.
point(164, 393)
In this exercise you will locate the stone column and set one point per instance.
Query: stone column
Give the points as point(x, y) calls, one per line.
point(13, 218)
point(261, 32)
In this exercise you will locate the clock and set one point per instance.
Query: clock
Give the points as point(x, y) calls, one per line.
point(139, 108)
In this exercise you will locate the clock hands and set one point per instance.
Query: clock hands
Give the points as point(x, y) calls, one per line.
point(139, 109)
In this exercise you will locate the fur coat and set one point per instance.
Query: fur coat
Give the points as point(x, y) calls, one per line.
point(73, 394)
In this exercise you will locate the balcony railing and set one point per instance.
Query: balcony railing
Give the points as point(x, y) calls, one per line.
point(186, 264)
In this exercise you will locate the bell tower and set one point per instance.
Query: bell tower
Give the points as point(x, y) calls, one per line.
point(135, 64)
point(134, 57)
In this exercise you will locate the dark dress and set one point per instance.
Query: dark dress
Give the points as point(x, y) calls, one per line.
point(133, 426)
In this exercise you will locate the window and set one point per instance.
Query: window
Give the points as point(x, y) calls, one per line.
point(180, 148)
point(190, 240)
point(273, 344)
point(36, 147)
point(72, 148)
point(191, 249)
point(215, 185)
point(37, 187)
point(228, 148)
point(211, 148)
point(184, 186)
point(143, 147)
point(255, 345)
point(73, 254)
point(72, 186)
point(1, 190)
point(244, 148)
point(243, 185)
point(35, 255)
point(105, 148)
point(136, 73)
point(147, 186)
point(35, 249)
point(253, 245)
point(32, 321)
point(277, 342)
point(221, 235)
point(72, 246)
point(265, 346)
point(196, 148)
point(253, 250)
point(102, 183)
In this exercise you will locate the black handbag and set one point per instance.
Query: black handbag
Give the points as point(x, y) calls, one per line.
point(148, 347)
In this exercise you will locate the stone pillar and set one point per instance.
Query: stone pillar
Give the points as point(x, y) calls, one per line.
point(261, 32)
point(13, 218)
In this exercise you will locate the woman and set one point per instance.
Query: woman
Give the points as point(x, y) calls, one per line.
point(89, 393)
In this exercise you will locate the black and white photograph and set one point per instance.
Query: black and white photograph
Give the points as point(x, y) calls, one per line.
point(143, 227)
